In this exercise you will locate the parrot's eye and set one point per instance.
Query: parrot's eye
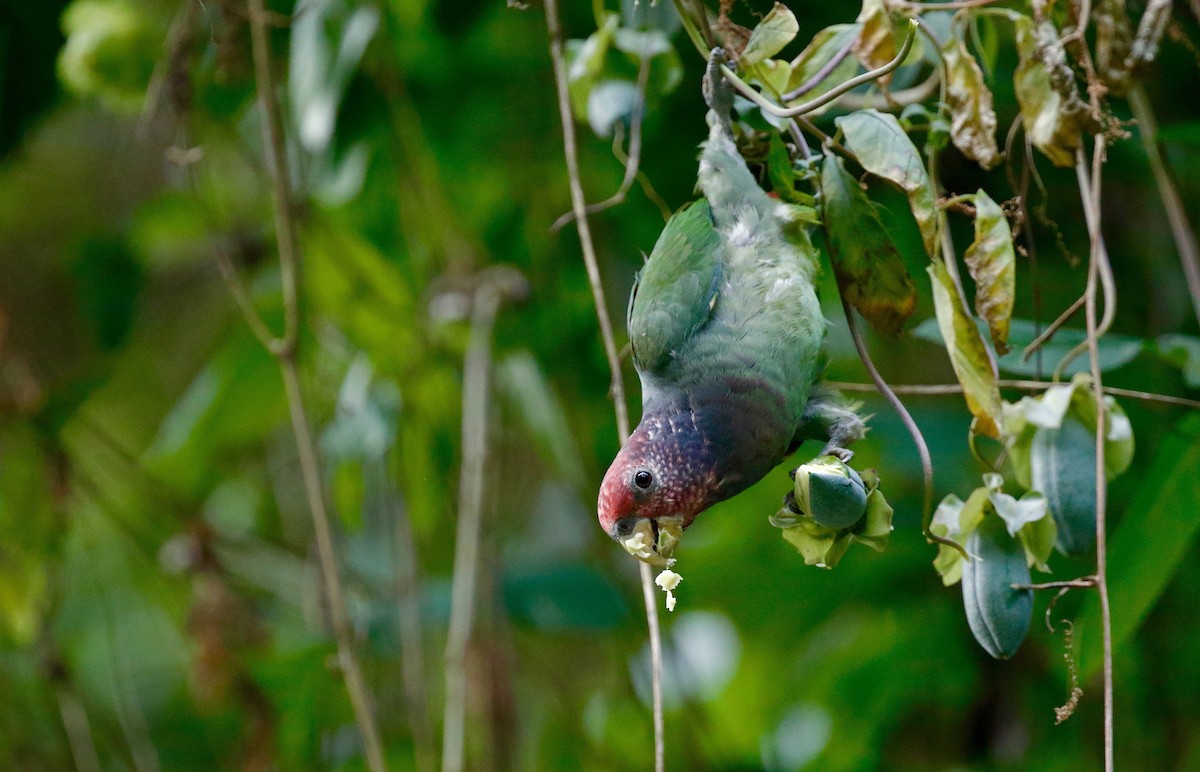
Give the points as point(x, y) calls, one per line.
point(643, 479)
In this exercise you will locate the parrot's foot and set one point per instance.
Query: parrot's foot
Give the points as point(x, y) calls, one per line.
point(718, 93)
point(828, 417)
point(842, 454)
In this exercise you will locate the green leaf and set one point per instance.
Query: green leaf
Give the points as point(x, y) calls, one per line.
point(602, 72)
point(992, 263)
point(522, 383)
point(363, 293)
point(972, 117)
point(1183, 351)
point(884, 150)
point(819, 546)
point(775, 31)
point(875, 529)
point(869, 270)
point(968, 352)
point(876, 42)
point(956, 520)
point(1038, 537)
point(1051, 408)
point(28, 532)
point(779, 169)
point(1153, 540)
point(774, 76)
point(1116, 350)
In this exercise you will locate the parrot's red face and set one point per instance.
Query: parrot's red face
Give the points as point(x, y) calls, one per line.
point(651, 493)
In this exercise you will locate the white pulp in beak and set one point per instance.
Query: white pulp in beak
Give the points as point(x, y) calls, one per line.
point(654, 541)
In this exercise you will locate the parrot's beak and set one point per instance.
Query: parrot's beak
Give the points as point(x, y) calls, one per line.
point(653, 540)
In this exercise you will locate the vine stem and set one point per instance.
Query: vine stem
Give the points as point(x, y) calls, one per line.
point(633, 159)
point(829, 96)
point(1091, 202)
point(909, 423)
point(284, 350)
point(617, 388)
point(942, 389)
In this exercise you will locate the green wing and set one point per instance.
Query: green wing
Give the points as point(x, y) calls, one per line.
point(677, 290)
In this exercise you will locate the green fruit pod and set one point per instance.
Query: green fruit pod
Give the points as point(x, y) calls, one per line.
point(1063, 468)
point(998, 615)
point(830, 492)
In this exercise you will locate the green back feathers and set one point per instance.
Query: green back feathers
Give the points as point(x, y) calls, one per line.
point(676, 291)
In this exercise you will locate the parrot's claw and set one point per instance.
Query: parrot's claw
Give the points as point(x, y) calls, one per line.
point(842, 454)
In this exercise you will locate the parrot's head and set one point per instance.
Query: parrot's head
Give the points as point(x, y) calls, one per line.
point(652, 491)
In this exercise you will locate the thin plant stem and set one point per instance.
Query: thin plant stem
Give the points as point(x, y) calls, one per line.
point(633, 160)
point(820, 74)
point(617, 391)
point(1091, 215)
point(360, 702)
point(1052, 328)
point(276, 145)
point(1181, 230)
point(284, 350)
point(1083, 582)
point(829, 96)
point(946, 389)
point(475, 399)
point(1091, 198)
point(412, 650)
point(956, 5)
point(905, 417)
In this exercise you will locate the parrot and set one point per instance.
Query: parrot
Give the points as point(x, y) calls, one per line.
point(725, 331)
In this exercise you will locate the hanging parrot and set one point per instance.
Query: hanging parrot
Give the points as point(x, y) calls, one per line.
point(725, 331)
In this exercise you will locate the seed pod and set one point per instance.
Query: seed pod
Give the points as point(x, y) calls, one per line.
point(1063, 468)
point(830, 492)
point(998, 615)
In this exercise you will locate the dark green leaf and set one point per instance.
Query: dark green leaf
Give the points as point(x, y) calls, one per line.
point(868, 267)
point(1152, 540)
point(1183, 351)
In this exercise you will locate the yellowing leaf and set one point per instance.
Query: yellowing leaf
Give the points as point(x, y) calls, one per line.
point(992, 264)
point(876, 43)
point(972, 117)
point(869, 270)
point(885, 150)
point(774, 32)
point(968, 352)
point(1050, 125)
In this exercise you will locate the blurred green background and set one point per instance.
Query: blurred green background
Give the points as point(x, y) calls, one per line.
point(159, 599)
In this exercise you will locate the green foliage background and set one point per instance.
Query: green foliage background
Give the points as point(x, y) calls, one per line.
point(158, 590)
